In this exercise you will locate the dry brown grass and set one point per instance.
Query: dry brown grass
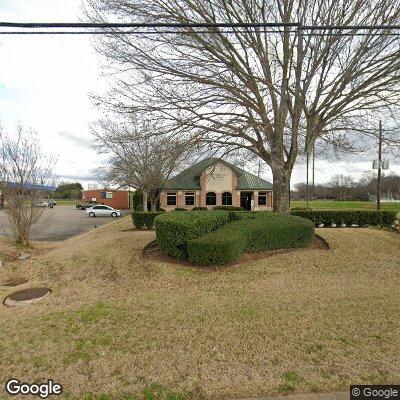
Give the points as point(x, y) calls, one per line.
point(298, 322)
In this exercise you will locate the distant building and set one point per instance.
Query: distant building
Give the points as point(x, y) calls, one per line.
point(215, 182)
point(120, 199)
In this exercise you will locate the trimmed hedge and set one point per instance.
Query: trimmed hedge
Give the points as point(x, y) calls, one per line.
point(175, 229)
point(199, 209)
point(327, 218)
point(266, 231)
point(142, 219)
point(180, 209)
point(220, 247)
point(228, 208)
point(239, 215)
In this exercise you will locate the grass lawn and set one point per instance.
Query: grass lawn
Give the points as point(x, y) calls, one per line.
point(68, 202)
point(117, 326)
point(345, 205)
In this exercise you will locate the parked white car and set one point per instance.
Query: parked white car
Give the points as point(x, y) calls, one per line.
point(103, 211)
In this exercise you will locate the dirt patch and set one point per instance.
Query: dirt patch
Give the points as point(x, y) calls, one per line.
point(26, 296)
point(321, 243)
point(11, 282)
point(153, 252)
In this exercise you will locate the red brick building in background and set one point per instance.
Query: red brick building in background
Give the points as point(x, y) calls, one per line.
point(119, 199)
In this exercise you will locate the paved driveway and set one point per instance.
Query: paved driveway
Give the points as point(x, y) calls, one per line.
point(59, 223)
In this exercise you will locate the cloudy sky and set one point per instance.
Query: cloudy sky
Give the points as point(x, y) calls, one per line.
point(45, 82)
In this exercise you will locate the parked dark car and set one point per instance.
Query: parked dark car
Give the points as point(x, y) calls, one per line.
point(51, 203)
point(85, 205)
point(47, 203)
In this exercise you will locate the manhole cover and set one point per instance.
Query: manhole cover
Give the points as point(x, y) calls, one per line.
point(26, 296)
point(15, 281)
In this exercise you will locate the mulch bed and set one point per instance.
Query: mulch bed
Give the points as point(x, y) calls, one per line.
point(152, 252)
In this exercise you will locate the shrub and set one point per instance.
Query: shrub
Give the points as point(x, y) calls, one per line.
point(228, 208)
point(144, 219)
point(219, 247)
point(180, 209)
point(263, 231)
point(327, 218)
point(239, 215)
point(199, 209)
point(175, 229)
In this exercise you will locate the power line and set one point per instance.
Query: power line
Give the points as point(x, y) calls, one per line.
point(101, 25)
point(129, 32)
point(119, 28)
point(17, 33)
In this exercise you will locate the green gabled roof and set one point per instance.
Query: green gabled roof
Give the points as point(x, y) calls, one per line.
point(189, 179)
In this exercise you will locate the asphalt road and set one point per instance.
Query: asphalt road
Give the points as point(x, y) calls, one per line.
point(59, 223)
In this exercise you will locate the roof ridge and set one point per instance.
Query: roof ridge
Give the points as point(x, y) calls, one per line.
point(186, 178)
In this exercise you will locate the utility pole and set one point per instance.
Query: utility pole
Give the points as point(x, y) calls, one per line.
point(378, 185)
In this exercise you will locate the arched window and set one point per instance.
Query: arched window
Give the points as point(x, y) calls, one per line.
point(211, 199)
point(226, 199)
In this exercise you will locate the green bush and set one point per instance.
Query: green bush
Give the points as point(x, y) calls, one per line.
point(180, 209)
point(239, 215)
point(199, 209)
point(144, 219)
point(175, 229)
point(339, 218)
point(262, 231)
point(220, 247)
point(228, 208)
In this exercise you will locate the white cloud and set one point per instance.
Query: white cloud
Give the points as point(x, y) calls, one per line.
point(45, 82)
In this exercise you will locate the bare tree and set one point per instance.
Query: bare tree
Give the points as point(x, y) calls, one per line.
point(140, 156)
point(342, 186)
point(24, 174)
point(271, 93)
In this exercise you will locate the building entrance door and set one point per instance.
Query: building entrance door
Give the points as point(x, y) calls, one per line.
point(245, 200)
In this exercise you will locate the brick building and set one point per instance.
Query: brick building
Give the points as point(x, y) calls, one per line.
point(119, 199)
point(214, 182)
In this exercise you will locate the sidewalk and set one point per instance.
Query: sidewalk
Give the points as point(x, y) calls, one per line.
point(308, 396)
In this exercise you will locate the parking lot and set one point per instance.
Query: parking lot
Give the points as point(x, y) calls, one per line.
point(59, 223)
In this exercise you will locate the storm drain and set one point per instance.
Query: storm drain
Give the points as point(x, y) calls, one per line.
point(15, 282)
point(26, 296)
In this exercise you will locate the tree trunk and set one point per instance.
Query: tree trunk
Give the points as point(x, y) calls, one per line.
point(281, 184)
point(145, 197)
point(154, 206)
